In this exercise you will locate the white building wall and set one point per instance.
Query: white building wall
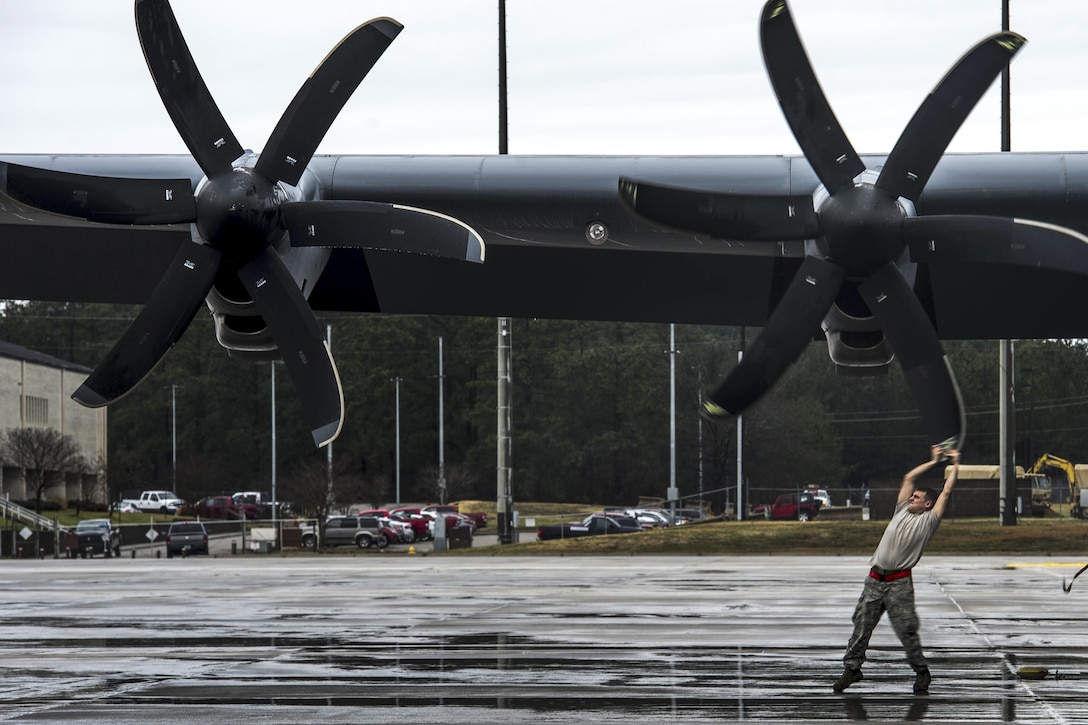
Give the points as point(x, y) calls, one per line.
point(36, 394)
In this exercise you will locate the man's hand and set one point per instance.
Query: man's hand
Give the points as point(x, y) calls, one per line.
point(949, 482)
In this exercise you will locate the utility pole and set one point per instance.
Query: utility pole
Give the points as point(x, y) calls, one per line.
point(504, 499)
point(272, 365)
point(674, 492)
point(1007, 357)
point(396, 450)
point(173, 440)
point(441, 427)
point(328, 446)
point(740, 442)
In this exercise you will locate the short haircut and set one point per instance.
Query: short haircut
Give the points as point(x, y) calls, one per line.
point(929, 493)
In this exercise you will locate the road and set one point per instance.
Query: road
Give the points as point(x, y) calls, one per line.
point(392, 637)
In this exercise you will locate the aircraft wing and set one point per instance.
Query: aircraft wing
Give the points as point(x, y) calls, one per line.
point(533, 213)
point(52, 257)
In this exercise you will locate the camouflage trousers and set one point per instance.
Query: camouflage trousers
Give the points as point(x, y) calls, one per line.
point(897, 599)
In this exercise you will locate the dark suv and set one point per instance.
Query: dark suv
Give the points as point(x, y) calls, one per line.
point(186, 537)
point(361, 531)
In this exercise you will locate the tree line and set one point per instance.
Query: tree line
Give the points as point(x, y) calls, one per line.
point(591, 420)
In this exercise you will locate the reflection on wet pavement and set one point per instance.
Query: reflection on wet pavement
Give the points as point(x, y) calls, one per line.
point(504, 639)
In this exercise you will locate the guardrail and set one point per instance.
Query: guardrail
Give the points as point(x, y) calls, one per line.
point(14, 511)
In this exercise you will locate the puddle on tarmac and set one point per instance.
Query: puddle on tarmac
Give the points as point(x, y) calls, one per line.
point(510, 672)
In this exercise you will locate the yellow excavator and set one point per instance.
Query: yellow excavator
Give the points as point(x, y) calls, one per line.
point(1076, 475)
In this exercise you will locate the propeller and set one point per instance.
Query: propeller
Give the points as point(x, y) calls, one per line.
point(242, 213)
point(862, 226)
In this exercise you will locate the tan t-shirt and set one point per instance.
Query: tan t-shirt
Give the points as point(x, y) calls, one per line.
point(905, 538)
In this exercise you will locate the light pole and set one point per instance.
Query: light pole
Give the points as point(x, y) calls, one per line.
point(328, 446)
point(441, 427)
point(674, 492)
point(504, 496)
point(396, 450)
point(272, 365)
point(173, 439)
point(1031, 417)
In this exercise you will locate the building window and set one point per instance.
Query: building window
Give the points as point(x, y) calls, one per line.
point(37, 410)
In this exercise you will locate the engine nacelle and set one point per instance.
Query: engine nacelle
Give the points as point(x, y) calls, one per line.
point(238, 326)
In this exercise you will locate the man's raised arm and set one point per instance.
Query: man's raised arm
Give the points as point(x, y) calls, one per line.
point(949, 483)
point(909, 480)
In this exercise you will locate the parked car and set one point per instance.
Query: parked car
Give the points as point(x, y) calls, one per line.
point(479, 518)
point(594, 525)
point(421, 524)
point(97, 536)
point(261, 501)
point(452, 520)
point(446, 508)
point(397, 530)
point(185, 538)
point(405, 531)
point(152, 502)
point(223, 507)
point(689, 515)
point(651, 519)
point(361, 531)
point(802, 507)
point(821, 495)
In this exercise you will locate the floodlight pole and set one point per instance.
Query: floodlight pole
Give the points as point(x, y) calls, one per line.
point(328, 446)
point(674, 492)
point(441, 427)
point(173, 440)
point(272, 365)
point(740, 440)
point(504, 499)
point(1007, 357)
point(396, 450)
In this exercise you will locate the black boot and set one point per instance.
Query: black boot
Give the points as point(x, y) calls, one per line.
point(848, 677)
point(921, 682)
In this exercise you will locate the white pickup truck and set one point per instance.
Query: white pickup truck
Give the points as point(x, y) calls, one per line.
point(154, 502)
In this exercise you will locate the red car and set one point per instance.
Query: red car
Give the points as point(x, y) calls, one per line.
point(479, 520)
point(419, 523)
point(222, 507)
point(787, 507)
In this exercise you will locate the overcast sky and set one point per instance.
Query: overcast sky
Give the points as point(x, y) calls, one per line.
point(585, 76)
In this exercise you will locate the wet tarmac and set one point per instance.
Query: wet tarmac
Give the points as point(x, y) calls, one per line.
point(384, 638)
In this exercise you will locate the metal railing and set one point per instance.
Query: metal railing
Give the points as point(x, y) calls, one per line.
point(12, 510)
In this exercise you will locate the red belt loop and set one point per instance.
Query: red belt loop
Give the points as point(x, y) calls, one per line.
point(889, 576)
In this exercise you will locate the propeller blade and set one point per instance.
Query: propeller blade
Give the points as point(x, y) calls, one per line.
point(305, 351)
point(374, 225)
point(788, 331)
point(316, 105)
point(803, 102)
point(182, 89)
point(157, 328)
point(744, 217)
point(101, 198)
point(996, 240)
point(911, 336)
point(922, 143)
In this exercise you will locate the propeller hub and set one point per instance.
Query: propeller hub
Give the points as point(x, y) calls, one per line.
point(861, 228)
point(238, 212)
